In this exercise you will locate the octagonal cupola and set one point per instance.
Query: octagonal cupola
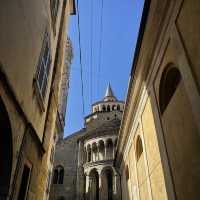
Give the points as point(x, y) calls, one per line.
point(108, 103)
point(107, 109)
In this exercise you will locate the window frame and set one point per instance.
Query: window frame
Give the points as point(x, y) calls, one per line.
point(43, 70)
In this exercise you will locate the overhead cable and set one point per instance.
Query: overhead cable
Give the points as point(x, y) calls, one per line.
point(91, 53)
point(100, 47)
point(80, 59)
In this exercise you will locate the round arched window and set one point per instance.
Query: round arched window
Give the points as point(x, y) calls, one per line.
point(139, 148)
point(169, 81)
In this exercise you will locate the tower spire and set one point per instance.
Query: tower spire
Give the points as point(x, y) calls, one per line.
point(109, 95)
point(109, 92)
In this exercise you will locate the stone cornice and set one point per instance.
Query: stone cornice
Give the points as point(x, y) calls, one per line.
point(97, 163)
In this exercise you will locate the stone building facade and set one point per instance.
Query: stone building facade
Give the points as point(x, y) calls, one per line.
point(33, 39)
point(159, 140)
point(58, 109)
point(83, 167)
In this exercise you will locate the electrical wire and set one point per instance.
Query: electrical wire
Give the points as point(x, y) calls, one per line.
point(80, 59)
point(100, 48)
point(91, 53)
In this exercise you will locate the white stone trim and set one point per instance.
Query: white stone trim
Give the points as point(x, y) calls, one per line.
point(140, 108)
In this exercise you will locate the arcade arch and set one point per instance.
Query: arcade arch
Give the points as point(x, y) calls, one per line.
point(107, 177)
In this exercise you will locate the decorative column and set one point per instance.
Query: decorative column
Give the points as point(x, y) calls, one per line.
point(90, 192)
point(100, 183)
point(87, 187)
point(113, 149)
point(98, 147)
point(92, 155)
point(105, 151)
point(87, 156)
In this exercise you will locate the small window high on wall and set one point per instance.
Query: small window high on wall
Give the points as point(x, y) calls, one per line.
point(139, 148)
point(168, 85)
point(127, 173)
point(58, 176)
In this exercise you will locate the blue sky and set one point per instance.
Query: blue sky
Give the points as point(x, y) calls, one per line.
point(121, 20)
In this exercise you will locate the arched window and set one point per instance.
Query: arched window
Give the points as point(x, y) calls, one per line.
point(94, 184)
point(115, 142)
point(127, 173)
point(55, 176)
point(104, 108)
point(108, 108)
point(118, 107)
point(85, 155)
point(139, 148)
point(61, 176)
point(113, 107)
point(109, 149)
point(101, 150)
point(94, 152)
point(58, 175)
point(168, 84)
point(107, 182)
point(89, 154)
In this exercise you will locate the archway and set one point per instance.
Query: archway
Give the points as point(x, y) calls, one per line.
point(113, 107)
point(6, 151)
point(101, 150)
point(107, 184)
point(94, 185)
point(94, 152)
point(89, 153)
point(109, 147)
point(180, 131)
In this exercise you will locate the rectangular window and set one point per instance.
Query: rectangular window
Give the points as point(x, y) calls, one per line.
point(44, 67)
point(24, 183)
